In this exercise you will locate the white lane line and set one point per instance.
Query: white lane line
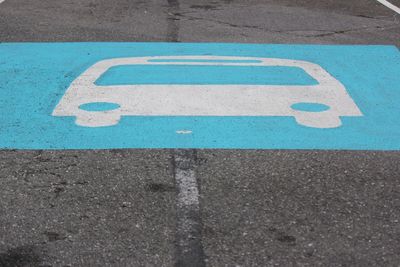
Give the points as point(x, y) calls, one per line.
point(389, 5)
point(188, 233)
point(1, 1)
point(188, 195)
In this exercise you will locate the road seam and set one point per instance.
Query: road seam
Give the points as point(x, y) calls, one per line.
point(189, 249)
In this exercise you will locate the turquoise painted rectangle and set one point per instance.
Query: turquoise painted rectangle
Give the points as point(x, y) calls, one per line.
point(34, 77)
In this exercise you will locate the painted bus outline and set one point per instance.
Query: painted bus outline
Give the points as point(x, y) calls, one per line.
point(207, 100)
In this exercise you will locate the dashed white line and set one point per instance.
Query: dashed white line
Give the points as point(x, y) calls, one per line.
point(390, 5)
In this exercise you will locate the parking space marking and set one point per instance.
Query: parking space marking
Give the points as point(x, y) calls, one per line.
point(198, 95)
point(179, 98)
point(390, 5)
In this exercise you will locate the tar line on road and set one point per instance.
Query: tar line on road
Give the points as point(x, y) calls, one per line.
point(189, 248)
point(172, 21)
point(188, 245)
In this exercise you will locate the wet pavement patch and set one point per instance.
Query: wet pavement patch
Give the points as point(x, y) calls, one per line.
point(54, 236)
point(159, 188)
point(23, 256)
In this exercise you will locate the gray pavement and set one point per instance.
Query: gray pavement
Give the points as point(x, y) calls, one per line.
point(258, 208)
point(300, 208)
point(87, 208)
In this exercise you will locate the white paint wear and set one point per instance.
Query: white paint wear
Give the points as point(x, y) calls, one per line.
point(183, 132)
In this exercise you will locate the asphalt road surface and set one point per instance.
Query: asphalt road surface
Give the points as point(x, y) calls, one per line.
point(256, 207)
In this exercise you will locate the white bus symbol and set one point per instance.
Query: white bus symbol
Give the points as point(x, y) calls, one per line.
point(207, 99)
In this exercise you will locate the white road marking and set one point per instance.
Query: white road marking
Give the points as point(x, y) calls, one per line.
point(188, 194)
point(207, 100)
point(390, 5)
point(1, 1)
point(183, 132)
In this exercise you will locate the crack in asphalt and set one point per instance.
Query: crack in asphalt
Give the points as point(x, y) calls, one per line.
point(293, 32)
